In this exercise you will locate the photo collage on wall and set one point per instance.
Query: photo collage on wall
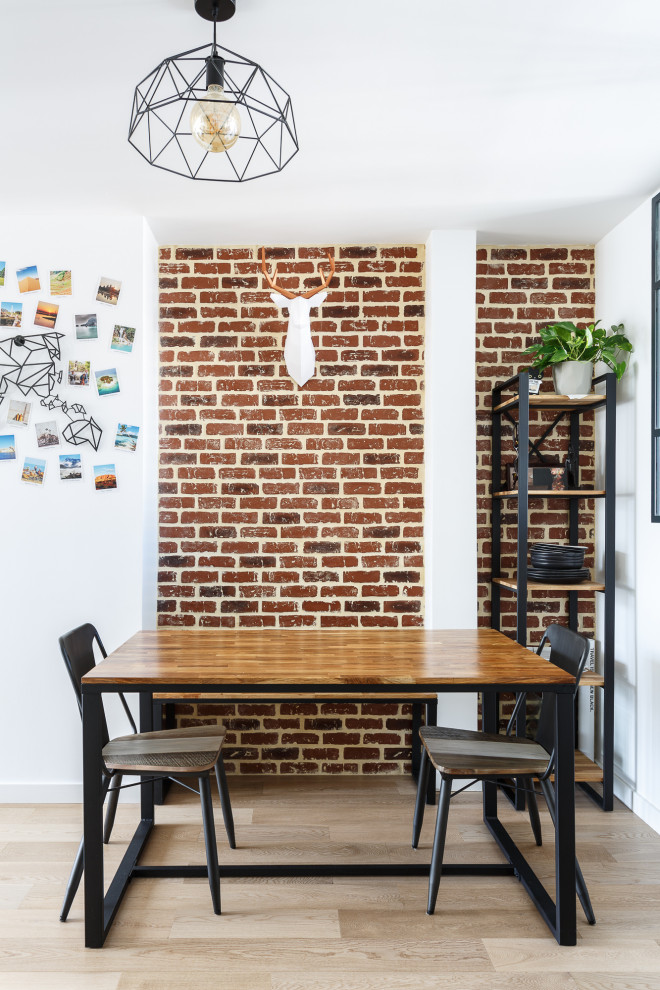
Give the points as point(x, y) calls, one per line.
point(40, 318)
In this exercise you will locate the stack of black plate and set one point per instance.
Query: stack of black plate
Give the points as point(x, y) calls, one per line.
point(557, 563)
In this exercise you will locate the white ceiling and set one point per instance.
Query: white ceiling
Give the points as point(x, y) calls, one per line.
point(530, 121)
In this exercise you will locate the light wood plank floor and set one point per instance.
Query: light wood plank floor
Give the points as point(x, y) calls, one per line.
point(319, 934)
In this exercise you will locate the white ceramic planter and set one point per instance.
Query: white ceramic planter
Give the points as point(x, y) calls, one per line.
point(573, 378)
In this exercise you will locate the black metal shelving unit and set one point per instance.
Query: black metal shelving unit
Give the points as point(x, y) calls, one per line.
point(520, 402)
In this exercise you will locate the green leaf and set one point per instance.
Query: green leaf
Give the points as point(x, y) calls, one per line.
point(620, 342)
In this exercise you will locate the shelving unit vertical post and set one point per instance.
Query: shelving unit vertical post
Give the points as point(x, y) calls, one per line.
point(519, 584)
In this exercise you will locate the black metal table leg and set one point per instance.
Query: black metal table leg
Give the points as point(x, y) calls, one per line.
point(163, 719)
point(566, 931)
point(147, 795)
point(416, 750)
point(489, 704)
point(431, 718)
point(92, 720)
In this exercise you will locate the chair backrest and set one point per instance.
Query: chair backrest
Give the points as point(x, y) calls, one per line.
point(77, 647)
point(570, 651)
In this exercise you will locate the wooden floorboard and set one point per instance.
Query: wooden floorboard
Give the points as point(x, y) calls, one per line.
point(319, 933)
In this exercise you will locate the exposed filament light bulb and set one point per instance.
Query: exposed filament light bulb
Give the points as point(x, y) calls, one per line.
point(215, 123)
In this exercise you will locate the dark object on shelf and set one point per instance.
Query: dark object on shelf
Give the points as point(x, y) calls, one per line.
point(547, 477)
point(572, 468)
point(552, 477)
point(557, 556)
point(512, 475)
point(512, 467)
point(535, 379)
point(567, 576)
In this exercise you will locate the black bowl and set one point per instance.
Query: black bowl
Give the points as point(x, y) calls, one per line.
point(557, 555)
point(561, 576)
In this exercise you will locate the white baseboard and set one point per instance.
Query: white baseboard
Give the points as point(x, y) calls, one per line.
point(624, 791)
point(646, 811)
point(36, 793)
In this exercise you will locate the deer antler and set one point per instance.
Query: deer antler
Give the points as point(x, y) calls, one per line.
point(271, 281)
point(325, 283)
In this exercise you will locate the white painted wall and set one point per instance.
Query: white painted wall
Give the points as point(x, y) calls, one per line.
point(69, 554)
point(450, 534)
point(150, 373)
point(623, 294)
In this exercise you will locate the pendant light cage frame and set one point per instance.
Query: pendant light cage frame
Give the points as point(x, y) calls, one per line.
point(163, 101)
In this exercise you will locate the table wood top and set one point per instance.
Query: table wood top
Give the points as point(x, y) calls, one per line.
point(323, 657)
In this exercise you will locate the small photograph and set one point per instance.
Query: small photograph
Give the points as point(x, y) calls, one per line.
point(7, 447)
point(105, 477)
point(79, 373)
point(28, 279)
point(47, 434)
point(46, 314)
point(11, 314)
point(123, 339)
point(108, 291)
point(87, 327)
point(19, 412)
point(70, 467)
point(127, 437)
point(60, 283)
point(34, 471)
point(107, 382)
point(2, 272)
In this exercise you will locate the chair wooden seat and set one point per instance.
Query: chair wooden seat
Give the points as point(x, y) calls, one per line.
point(193, 750)
point(467, 753)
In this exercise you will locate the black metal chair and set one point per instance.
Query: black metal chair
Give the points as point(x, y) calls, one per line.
point(170, 752)
point(468, 755)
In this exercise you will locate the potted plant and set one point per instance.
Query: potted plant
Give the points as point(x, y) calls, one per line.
point(572, 351)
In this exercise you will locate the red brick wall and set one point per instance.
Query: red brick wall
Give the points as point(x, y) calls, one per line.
point(282, 506)
point(520, 289)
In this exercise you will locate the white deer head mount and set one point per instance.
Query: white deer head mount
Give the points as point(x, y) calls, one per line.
point(299, 355)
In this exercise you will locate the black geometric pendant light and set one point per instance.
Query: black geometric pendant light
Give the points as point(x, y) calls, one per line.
point(211, 114)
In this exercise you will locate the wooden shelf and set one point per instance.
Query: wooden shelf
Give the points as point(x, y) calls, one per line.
point(551, 493)
point(512, 584)
point(586, 771)
point(591, 679)
point(551, 400)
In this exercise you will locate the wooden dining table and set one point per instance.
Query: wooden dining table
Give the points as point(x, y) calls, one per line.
point(287, 661)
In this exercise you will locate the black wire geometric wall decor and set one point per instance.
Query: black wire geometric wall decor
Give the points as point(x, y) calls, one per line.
point(28, 362)
point(212, 114)
point(81, 428)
